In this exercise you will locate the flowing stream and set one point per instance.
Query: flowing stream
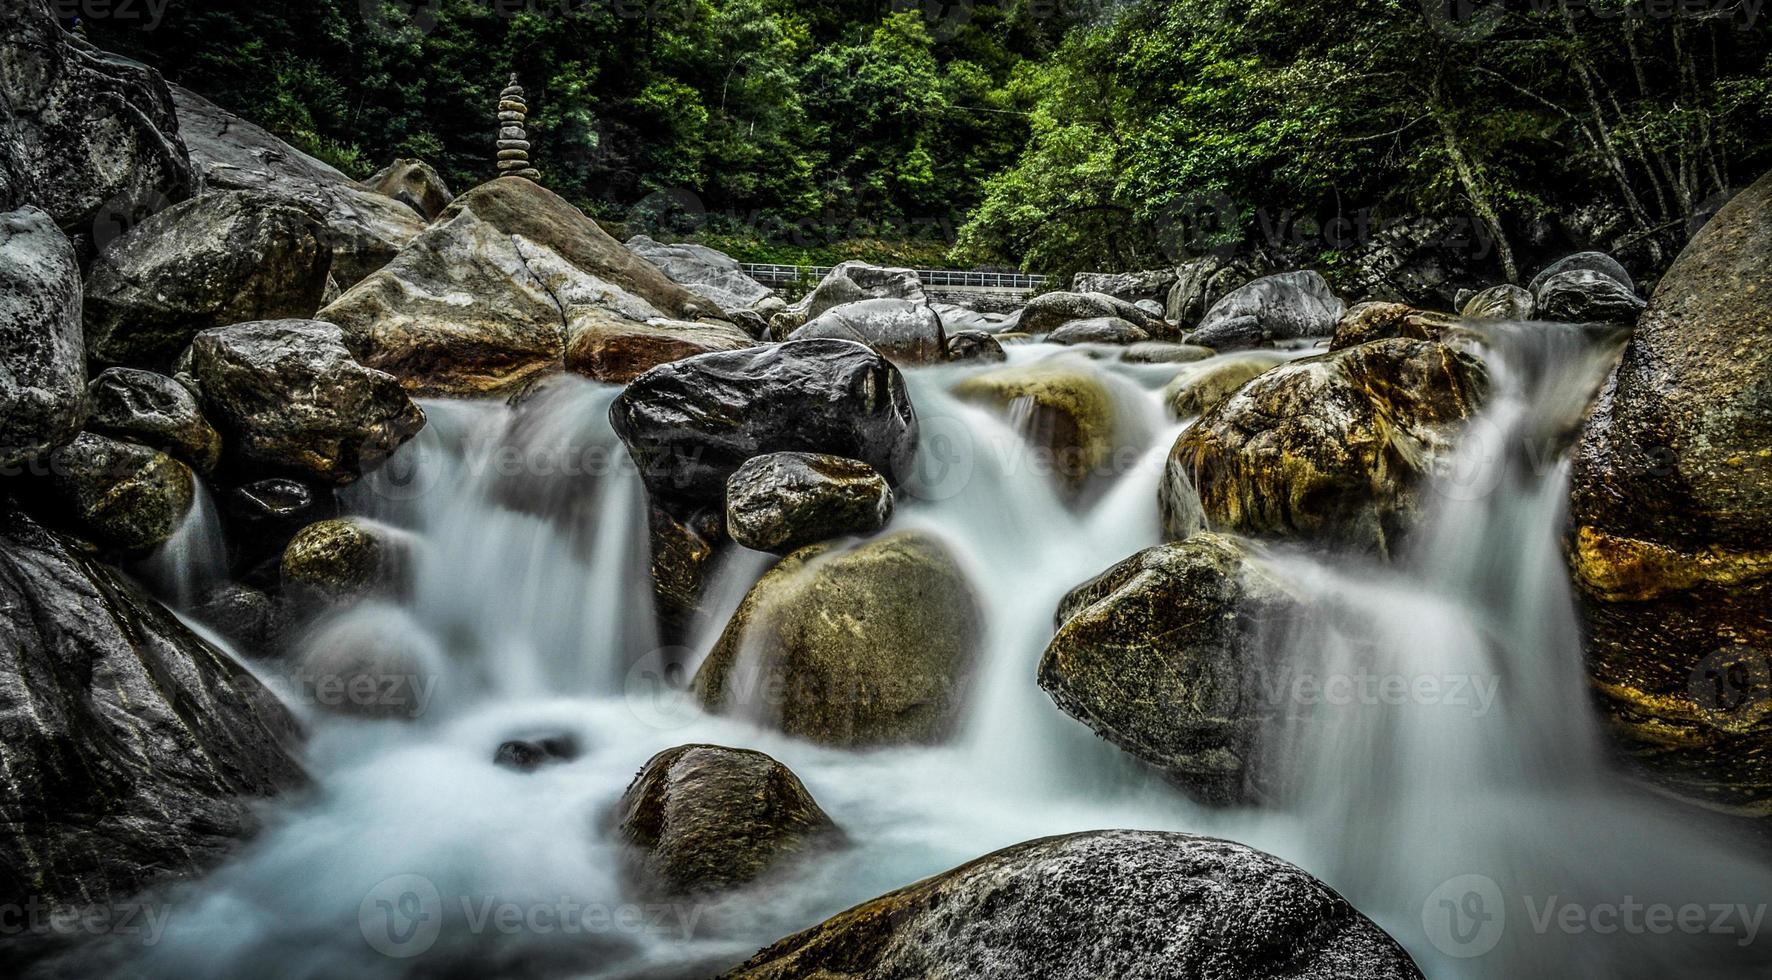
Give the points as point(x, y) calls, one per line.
point(1465, 815)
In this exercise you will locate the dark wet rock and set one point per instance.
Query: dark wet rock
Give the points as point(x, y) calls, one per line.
point(415, 184)
point(1050, 311)
point(1329, 449)
point(1160, 656)
point(1132, 905)
point(95, 142)
point(1098, 330)
point(1287, 306)
point(42, 354)
point(1367, 322)
point(975, 345)
point(1585, 296)
point(222, 258)
point(682, 553)
point(1598, 262)
point(709, 272)
point(119, 495)
point(1504, 302)
point(340, 561)
point(246, 616)
point(900, 330)
point(871, 645)
point(1072, 422)
point(1164, 352)
point(1233, 333)
point(155, 411)
point(691, 424)
point(134, 752)
point(1199, 388)
point(1671, 520)
point(784, 501)
point(289, 399)
point(530, 754)
point(617, 350)
point(705, 818)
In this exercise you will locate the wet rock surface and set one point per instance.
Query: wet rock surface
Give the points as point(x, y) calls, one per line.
point(903, 331)
point(783, 501)
point(42, 349)
point(155, 411)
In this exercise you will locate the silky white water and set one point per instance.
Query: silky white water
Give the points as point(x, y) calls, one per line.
point(530, 615)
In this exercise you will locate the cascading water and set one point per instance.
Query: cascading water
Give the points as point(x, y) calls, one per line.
point(530, 614)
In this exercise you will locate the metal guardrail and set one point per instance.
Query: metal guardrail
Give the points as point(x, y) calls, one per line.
point(949, 278)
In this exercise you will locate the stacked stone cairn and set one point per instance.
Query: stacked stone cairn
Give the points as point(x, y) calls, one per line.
point(513, 139)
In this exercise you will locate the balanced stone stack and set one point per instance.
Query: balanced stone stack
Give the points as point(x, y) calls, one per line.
point(513, 139)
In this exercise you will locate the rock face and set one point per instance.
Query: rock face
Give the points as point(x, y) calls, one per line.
point(1159, 656)
point(852, 282)
point(42, 354)
point(133, 750)
point(704, 818)
point(1327, 449)
point(493, 294)
point(617, 350)
point(122, 496)
point(900, 330)
point(1585, 296)
point(415, 184)
point(1287, 306)
point(1672, 518)
point(95, 140)
point(1072, 422)
point(289, 399)
point(1049, 311)
point(361, 228)
point(870, 646)
point(691, 424)
point(1203, 282)
point(710, 273)
point(1098, 330)
point(1133, 905)
point(222, 258)
point(784, 501)
point(155, 411)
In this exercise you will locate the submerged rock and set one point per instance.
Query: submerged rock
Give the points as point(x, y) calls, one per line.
point(530, 754)
point(1327, 449)
point(1200, 388)
point(867, 646)
point(691, 424)
point(119, 495)
point(1132, 905)
point(1287, 306)
point(155, 411)
point(289, 398)
point(226, 257)
point(1070, 422)
point(705, 818)
point(784, 501)
point(42, 353)
point(903, 331)
point(134, 751)
point(1671, 516)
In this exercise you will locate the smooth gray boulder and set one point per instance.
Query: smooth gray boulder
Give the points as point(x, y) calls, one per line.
point(1598, 262)
point(42, 353)
point(1586, 296)
point(707, 271)
point(900, 330)
point(1288, 306)
point(784, 501)
point(1050, 311)
point(1098, 330)
point(1234, 333)
point(155, 411)
point(852, 282)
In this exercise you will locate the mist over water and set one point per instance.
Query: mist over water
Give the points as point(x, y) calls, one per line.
point(530, 615)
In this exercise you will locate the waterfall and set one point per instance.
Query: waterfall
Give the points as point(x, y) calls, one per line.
point(194, 560)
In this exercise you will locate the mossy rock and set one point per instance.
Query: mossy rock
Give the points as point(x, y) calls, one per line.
point(1072, 418)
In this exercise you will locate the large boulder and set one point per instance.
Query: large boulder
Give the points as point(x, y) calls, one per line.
point(1371, 321)
point(289, 400)
point(362, 229)
point(1598, 262)
point(903, 331)
point(1586, 296)
point(1671, 519)
point(784, 501)
point(1127, 904)
point(852, 282)
point(1329, 449)
point(711, 273)
point(134, 751)
point(1287, 306)
point(1071, 423)
point(415, 184)
point(1503, 302)
point(691, 424)
point(94, 141)
point(1098, 330)
point(1160, 656)
point(705, 818)
point(155, 411)
point(120, 495)
point(614, 349)
point(1198, 388)
point(1050, 311)
point(1202, 282)
point(222, 258)
point(868, 646)
point(42, 355)
point(491, 295)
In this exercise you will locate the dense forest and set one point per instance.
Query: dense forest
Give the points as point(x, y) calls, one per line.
point(1053, 135)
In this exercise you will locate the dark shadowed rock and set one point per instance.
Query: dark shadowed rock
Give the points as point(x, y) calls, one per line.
point(1330, 448)
point(289, 399)
point(153, 410)
point(1503, 302)
point(690, 424)
point(415, 184)
point(1131, 905)
point(1159, 655)
point(245, 615)
point(1287, 306)
point(1671, 516)
point(785, 501)
point(1598, 262)
point(1050, 311)
point(133, 751)
point(900, 330)
point(530, 754)
point(1585, 296)
point(120, 495)
point(42, 355)
point(1098, 330)
point(222, 258)
point(704, 818)
point(706, 271)
point(1204, 281)
point(975, 345)
point(871, 645)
